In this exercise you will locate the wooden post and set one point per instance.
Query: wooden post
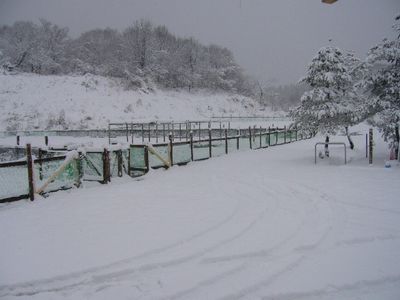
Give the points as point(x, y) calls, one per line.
point(226, 141)
point(171, 150)
point(79, 166)
point(40, 164)
point(277, 136)
point(119, 159)
point(106, 166)
point(129, 161)
point(127, 132)
point(209, 144)
point(371, 145)
point(260, 138)
point(296, 133)
point(251, 147)
point(17, 140)
point(366, 145)
point(30, 172)
point(199, 131)
point(191, 147)
point(46, 140)
point(237, 139)
point(180, 131)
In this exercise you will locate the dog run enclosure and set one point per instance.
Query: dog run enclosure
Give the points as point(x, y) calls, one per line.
point(48, 171)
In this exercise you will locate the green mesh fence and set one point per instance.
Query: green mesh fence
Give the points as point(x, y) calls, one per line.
point(232, 145)
point(181, 154)
point(162, 150)
point(200, 150)
point(137, 160)
point(244, 144)
point(114, 163)
point(92, 165)
point(13, 181)
point(66, 179)
point(218, 148)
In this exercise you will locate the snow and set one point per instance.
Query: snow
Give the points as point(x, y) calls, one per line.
point(79, 102)
point(266, 224)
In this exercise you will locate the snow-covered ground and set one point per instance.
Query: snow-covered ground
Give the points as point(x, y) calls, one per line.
point(265, 224)
point(30, 102)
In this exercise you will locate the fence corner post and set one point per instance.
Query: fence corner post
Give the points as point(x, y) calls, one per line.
point(251, 146)
point(30, 172)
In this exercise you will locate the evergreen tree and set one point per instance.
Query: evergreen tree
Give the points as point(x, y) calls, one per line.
point(332, 102)
point(382, 86)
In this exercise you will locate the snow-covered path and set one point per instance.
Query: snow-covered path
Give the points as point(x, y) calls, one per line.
point(265, 224)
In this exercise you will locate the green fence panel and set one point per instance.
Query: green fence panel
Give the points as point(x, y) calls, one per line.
point(200, 150)
point(66, 179)
point(181, 153)
point(156, 162)
point(92, 165)
point(244, 144)
point(218, 148)
point(137, 160)
point(13, 181)
point(232, 145)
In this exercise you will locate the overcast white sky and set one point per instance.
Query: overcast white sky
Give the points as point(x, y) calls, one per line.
point(273, 40)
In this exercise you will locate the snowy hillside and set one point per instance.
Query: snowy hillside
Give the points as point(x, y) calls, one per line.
point(78, 102)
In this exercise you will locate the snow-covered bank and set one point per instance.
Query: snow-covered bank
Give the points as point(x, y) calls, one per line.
point(76, 102)
point(265, 224)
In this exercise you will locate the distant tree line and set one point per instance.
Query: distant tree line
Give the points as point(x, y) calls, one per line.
point(142, 54)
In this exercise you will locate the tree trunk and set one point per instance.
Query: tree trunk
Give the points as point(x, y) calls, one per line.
point(349, 138)
point(326, 146)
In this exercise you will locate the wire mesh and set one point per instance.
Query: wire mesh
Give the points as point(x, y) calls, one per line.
point(137, 159)
point(92, 165)
point(67, 178)
point(218, 148)
point(13, 181)
point(181, 153)
point(200, 150)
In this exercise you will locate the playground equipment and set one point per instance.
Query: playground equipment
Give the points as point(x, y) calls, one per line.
point(331, 143)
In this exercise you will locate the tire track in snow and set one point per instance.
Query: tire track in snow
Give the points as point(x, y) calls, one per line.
point(93, 276)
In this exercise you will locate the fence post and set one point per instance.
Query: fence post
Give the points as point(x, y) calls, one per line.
point(30, 172)
point(296, 133)
point(199, 131)
point(163, 131)
point(277, 135)
point(260, 137)
point(119, 159)
point(191, 146)
point(371, 145)
point(237, 139)
point(46, 140)
point(180, 131)
point(79, 166)
point(40, 164)
point(209, 144)
point(284, 134)
point(366, 145)
point(17, 140)
point(127, 132)
point(226, 141)
point(106, 166)
point(251, 147)
point(171, 150)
